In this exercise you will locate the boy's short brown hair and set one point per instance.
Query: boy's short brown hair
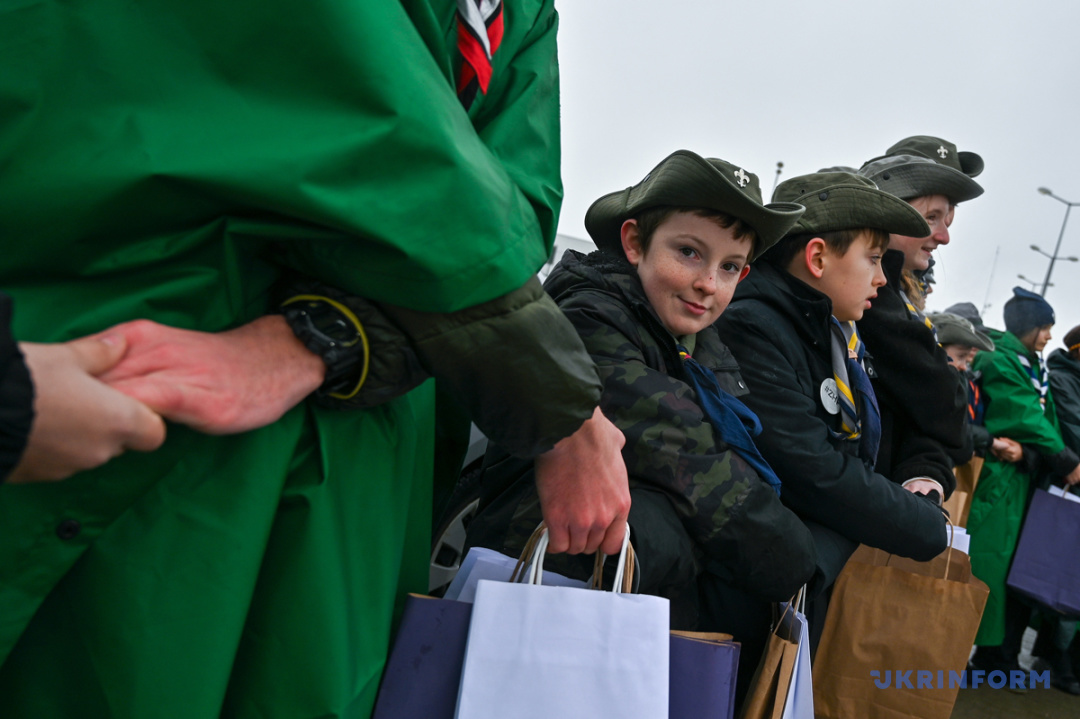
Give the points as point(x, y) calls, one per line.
point(838, 242)
point(650, 219)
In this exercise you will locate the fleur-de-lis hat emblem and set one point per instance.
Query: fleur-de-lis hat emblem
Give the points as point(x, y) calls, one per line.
point(942, 152)
point(741, 177)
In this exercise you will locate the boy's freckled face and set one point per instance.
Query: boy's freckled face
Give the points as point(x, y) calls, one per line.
point(853, 279)
point(690, 270)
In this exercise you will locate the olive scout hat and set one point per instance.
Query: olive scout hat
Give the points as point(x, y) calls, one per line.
point(845, 201)
point(940, 151)
point(685, 179)
point(969, 312)
point(955, 330)
point(911, 176)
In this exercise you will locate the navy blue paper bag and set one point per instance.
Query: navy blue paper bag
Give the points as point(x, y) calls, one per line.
point(424, 670)
point(702, 676)
point(1044, 568)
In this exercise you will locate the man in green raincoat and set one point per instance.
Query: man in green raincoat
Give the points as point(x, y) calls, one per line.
point(1020, 406)
point(165, 165)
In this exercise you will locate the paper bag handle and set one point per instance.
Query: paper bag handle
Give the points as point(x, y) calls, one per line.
point(530, 565)
point(797, 603)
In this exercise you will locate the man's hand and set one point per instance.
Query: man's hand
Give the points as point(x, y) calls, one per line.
point(79, 422)
point(1073, 477)
point(583, 489)
point(220, 383)
point(1007, 450)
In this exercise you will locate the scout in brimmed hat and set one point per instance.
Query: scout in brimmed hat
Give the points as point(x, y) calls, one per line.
point(933, 177)
point(956, 330)
point(959, 338)
point(792, 330)
point(672, 250)
point(917, 387)
point(969, 312)
point(685, 180)
point(844, 213)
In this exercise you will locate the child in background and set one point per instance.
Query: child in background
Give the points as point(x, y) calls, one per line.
point(1020, 406)
point(961, 340)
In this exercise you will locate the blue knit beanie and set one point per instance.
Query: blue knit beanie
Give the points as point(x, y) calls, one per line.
point(1026, 311)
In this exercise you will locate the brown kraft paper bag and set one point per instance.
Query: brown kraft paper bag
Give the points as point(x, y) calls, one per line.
point(769, 685)
point(959, 503)
point(892, 614)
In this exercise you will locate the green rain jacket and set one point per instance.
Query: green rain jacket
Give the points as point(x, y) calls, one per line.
point(1000, 501)
point(167, 160)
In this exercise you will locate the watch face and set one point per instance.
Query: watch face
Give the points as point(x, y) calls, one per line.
point(325, 321)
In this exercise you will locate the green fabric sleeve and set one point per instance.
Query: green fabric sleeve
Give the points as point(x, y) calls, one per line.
point(431, 183)
point(346, 143)
point(514, 363)
point(1014, 410)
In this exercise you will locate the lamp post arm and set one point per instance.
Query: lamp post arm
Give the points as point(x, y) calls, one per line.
point(1057, 247)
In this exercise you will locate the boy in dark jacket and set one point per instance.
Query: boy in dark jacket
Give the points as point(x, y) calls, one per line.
point(706, 518)
point(791, 327)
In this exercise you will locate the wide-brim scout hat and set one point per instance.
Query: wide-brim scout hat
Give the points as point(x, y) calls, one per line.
point(845, 201)
point(909, 176)
point(925, 165)
point(969, 312)
point(940, 151)
point(687, 180)
point(955, 330)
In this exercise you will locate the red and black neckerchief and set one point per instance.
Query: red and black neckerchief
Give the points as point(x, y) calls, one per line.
point(480, 31)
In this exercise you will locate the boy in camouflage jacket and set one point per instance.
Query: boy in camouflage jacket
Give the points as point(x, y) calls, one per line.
point(709, 528)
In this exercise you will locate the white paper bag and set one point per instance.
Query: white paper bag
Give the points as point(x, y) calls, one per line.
point(482, 563)
point(959, 538)
point(800, 696)
point(541, 652)
point(1060, 492)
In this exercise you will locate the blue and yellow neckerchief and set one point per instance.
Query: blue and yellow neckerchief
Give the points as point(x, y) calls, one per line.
point(919, 316)
point(859, 418)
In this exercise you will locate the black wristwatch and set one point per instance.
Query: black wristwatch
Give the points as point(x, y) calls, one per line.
point(332, 331)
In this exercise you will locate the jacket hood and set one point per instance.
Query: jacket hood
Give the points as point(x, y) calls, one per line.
point(1060, 361)
point(596, 269)
point(599, 271)
point(807, 309)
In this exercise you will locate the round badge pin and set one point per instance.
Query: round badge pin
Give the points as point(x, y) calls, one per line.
point(830, 396)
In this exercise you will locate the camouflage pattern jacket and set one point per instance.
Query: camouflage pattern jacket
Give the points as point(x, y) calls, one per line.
point(739, 529)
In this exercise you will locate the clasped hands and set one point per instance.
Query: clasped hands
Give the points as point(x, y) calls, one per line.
point(101, 395)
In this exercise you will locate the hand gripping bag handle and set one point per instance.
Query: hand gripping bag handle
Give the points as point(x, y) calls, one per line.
point(532, 560)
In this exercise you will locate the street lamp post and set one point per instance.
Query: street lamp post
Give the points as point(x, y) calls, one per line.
point(1033, 283)
point(1057, 247)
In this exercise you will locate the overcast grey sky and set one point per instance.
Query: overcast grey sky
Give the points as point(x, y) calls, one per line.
point(831, 82)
